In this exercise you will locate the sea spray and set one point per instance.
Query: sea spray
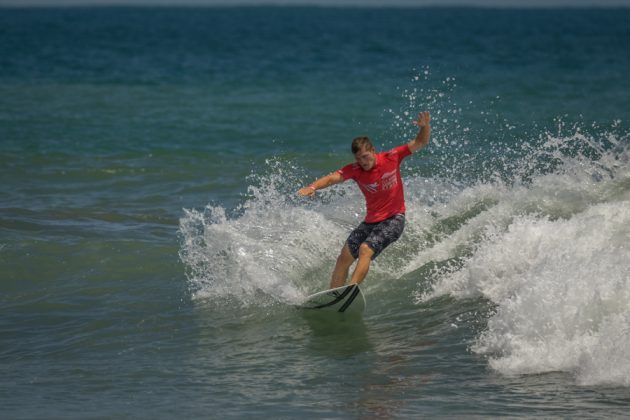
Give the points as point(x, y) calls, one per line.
point(552, 254)
point(274, 248)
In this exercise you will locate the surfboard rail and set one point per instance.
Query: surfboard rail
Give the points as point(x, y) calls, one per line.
point(344, 299)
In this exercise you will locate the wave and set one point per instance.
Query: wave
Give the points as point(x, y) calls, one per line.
point(268, 251)
point(552, 255)
point(542, 234)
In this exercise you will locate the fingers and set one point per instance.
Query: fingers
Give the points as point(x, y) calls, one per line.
point(423, 119)
point(306, 192)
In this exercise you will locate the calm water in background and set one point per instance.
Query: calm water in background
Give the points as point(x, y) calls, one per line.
point(152, 247)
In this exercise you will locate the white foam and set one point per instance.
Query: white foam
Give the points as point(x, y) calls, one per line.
point(553, 255)
point(267, 252)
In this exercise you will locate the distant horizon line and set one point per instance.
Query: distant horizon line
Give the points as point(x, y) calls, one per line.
point(21, 5)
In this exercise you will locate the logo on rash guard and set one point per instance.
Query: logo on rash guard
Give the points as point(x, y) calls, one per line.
point(370, 187)
point(389, 180)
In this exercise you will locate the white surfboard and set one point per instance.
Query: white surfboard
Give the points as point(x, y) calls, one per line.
point(345, 299)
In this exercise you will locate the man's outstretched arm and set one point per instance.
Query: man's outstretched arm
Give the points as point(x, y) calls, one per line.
point(321, 183)
point(422, 138)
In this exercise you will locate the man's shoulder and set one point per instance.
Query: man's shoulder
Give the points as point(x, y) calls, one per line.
point(351, 167)
point(397, 153)
point(349, 170)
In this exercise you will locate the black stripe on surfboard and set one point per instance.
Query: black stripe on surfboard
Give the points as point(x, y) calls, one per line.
point(337, 299)
point(350, 300)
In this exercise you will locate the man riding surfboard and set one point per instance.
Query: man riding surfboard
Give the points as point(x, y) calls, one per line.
point(378, 178)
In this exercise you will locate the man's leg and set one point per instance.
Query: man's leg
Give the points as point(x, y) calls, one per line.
point(363, 266)
point(340, 273)
point(379, 238)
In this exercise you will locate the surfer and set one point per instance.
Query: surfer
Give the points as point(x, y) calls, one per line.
point(378, 178)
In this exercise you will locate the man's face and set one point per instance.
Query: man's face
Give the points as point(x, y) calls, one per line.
point(366, 158)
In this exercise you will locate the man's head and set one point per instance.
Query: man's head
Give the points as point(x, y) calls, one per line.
point(364, 152)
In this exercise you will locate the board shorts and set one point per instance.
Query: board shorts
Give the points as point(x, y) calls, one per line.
point(377, 236)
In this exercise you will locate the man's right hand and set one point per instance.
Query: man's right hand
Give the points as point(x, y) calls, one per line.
point(306, 191)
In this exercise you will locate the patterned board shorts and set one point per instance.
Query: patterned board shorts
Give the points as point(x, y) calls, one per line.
point(377, 235)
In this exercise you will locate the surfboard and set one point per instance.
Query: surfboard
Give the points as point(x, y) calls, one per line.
point(345, 299)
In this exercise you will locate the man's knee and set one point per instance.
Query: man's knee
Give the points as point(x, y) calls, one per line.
point(365, 251)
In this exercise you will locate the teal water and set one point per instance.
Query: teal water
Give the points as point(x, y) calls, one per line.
point(152, 246)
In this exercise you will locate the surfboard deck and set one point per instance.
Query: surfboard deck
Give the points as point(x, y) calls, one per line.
point(345, 299)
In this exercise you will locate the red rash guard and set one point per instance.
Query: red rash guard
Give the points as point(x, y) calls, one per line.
point(382, 185)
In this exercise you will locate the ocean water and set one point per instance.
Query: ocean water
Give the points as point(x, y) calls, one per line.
point(152, 247)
